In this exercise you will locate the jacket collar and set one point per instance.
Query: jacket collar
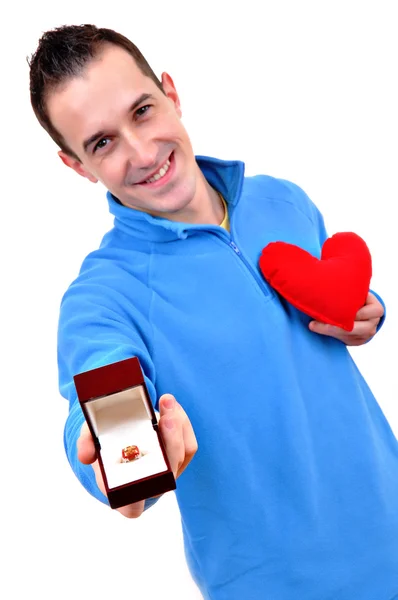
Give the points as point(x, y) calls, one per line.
point(225, 176)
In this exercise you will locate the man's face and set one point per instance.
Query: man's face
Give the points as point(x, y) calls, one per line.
point(127, 134)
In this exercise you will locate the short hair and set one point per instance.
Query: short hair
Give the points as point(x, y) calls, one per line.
point(63, 53)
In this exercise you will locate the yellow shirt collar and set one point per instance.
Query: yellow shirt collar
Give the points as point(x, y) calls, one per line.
point(225, 221)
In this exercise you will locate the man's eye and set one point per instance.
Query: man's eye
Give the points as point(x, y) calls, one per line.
point(101, 144)
point(141, 111)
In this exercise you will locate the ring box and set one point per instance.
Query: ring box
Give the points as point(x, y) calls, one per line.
point(119, 413)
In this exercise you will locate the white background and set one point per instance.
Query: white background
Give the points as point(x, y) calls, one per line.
point(303, 90)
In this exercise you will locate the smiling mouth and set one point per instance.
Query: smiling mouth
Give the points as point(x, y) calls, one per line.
point(159, 174)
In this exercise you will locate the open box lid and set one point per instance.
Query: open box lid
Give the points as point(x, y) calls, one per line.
point(111, 379)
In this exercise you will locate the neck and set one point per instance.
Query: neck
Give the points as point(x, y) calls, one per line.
point(213, 210)
point(207, 206)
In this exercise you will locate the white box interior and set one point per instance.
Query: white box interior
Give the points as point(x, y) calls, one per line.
point(121, 420)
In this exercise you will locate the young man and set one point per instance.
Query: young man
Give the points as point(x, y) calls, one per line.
point(293, 492)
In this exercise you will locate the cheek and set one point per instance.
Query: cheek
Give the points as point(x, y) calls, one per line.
point(181, 131)
point(172, 128)
point(180, 136)
point(113, 170)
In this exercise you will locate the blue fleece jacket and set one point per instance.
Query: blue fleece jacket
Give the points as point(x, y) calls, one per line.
point(293, 493)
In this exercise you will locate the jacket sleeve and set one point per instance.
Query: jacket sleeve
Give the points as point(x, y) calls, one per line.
point(317, 218)
point(97, 327)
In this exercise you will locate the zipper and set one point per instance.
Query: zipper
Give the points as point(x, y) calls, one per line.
point(235, 248)
point(256, 275)
point(225, 238)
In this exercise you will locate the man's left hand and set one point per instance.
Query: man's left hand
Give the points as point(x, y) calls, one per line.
point(366, 322)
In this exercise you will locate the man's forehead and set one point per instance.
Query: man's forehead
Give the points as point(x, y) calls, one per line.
point(87, 100)
point(114, 70)
point(101, 93)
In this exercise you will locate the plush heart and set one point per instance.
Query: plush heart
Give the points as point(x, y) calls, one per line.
point(331, 289)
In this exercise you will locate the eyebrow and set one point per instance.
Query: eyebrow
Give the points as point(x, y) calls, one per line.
point(100, 134)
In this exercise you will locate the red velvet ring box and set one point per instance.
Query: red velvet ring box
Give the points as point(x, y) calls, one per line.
point(118, 410)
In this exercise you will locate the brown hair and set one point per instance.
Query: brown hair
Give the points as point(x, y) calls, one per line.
point(63, 53)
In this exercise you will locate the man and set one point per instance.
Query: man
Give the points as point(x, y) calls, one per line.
point(293, 490)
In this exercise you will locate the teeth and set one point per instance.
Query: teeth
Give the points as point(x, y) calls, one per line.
point(161, 173)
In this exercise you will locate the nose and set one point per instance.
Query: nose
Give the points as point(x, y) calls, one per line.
point(141, 152)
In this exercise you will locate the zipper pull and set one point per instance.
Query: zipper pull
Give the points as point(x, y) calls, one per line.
point(234, 247)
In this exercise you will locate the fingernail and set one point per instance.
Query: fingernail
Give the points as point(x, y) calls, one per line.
point(169, 403)
point(168, 423)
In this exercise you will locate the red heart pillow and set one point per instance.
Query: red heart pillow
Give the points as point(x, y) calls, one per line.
point(331, 289)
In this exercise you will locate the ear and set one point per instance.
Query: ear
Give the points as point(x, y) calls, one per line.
point(76, 165)
point(171, 92)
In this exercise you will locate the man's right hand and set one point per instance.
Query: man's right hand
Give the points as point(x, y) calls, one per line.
point(178, 436)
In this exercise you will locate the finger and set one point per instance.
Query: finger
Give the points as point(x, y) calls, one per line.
point(85, 446)
point(173, 441)
point(365, 329)
point(190, 444)
point(369, 312)
point(170, 424)
point(167, 403)
point(190, 441)
point(132, 511)
point(98, 476)
point(362, 330)
point(371, 299)
point(325, 329)
point(374, 310)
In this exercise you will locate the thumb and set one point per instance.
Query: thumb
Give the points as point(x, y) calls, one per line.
point(170, 424)
point(322, 328)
